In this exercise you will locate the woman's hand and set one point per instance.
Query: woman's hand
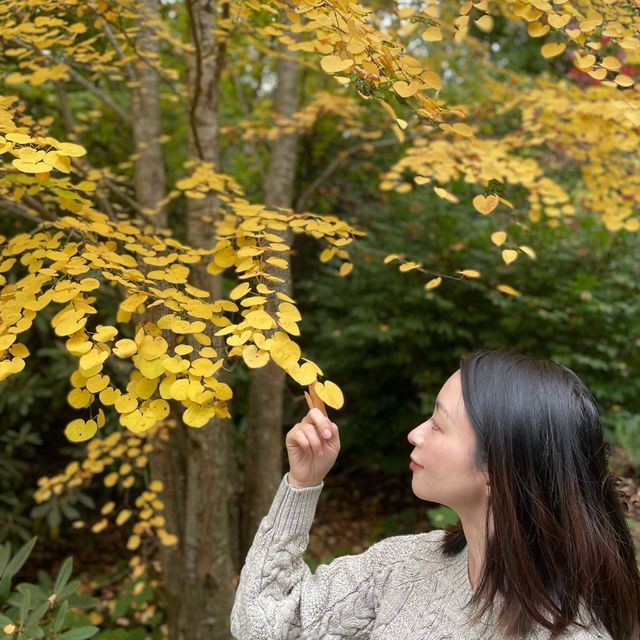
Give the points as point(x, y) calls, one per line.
point(311, 452)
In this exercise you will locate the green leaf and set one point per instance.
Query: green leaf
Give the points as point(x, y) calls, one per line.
point(37, 613)
point(123, 603)
point(25, 604)
point(5, 586)
point(63, 575)
point(19, 559)
point(61, 614)
point(69, 589)
point(5, 554)
point(34, 631)
point(79, 633)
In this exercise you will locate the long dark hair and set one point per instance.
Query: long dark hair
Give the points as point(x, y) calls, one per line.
point(561, 544)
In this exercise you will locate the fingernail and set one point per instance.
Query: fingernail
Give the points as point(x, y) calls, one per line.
point(327, 433)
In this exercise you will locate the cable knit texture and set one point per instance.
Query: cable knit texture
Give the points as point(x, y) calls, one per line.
point(401, 588)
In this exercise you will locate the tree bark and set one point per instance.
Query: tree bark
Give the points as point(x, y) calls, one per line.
point(264, 444)
point(197, 466)
point(149, 170)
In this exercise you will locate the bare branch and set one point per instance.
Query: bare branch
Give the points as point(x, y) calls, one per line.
point(337, 161)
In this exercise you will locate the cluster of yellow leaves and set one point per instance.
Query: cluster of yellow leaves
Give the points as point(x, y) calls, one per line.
point(323, 104)
point(120, 458)
point(344, 34)
point(59, 272)
point(249, 234)
point(582, 23)
point(477, 160)
point(593, 129)
point(49, 37)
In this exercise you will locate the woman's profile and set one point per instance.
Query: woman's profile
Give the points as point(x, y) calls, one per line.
point(542, 549)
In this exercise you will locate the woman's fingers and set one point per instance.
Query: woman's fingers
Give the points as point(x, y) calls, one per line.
point(311, 434)
point(320, 421)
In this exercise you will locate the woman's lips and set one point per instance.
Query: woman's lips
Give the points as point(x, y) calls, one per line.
point(414, 465)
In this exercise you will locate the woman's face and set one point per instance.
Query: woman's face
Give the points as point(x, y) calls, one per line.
point(444, 446)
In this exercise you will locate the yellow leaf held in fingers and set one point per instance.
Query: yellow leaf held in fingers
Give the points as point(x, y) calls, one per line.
point(330, 394)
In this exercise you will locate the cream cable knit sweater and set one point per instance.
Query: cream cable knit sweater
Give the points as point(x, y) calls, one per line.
point(400, 588)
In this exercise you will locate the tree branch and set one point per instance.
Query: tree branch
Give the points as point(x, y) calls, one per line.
point(78, 77)
point(337, 161)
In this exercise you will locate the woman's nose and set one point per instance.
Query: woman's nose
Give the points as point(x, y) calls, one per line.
point(414, 436)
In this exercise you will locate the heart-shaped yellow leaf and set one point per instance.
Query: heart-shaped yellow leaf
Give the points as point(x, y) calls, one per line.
point(432, 34)
point(255, 358)
point(498, 237)
point(405, 89)
point(557, 21)
point(509, 255)
point(552, 49)
point(485, 205)
point(330, 394)
point(79, 430)
point(335, 64)
point(485, 23)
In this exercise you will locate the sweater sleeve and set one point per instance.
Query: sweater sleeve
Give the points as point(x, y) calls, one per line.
point(279, 598)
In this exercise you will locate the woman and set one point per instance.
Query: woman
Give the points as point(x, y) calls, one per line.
point(542, 549)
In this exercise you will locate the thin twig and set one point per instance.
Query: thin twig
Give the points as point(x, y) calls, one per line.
point(337, 161)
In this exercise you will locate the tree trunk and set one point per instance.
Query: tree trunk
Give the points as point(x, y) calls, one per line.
point(264, 444)
point(197, 466)
point(149, 170)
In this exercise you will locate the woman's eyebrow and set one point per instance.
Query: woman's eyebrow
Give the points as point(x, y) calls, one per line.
point(440, 406)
